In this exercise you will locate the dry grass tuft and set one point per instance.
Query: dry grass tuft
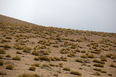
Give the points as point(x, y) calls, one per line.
point(78, 60)
point(8, 55)
point(98, 65)
point(18, 52)
point(75, 73)
point(27, 49)
point(2, 51)
point(35, 53)
point(28, 75)
point(44, 58)
point(1, 57)
point(1, 63)
point(16, 58)
point(32, 68)
point(10, 66)
point(71, 55)
point(98, 61)
point(36, 64)
point(66, 69)
point(110, 74)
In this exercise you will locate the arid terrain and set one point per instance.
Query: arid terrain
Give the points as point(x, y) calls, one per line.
point(30, 50)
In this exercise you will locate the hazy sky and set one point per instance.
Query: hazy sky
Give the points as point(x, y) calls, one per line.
point(95, 15)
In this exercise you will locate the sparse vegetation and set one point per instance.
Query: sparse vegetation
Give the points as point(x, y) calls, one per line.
point(35, 53)
point(28, 75)
point(16, 58)
point(98, 61)
point(66, 69)
point(18, 52)
point(78, 60)
point(8, 37)
point(36, 64)
point(75, 73)
point(112, 65)
point(8, 55)
point(32, 68)
point(27, 49)
point(56, 46)
point(103, 59)
point(84, 56)
point(103, 71)
point(98, 65)
point(71, 55)
point(44, 58)
point(110, 74)
point(90, 55)
point(10, 66)
point(97, 69)
point(2, 51)
point(98, 73)
point(2, 73)
point(57, 51)
point(1, 57)
point(1, 63)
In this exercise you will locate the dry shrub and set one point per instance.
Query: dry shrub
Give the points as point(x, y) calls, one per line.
point(27, 49)
point(8, 37)
point(36, 58)
point(2, 51)
point(2, 73)
point(90, 55)
point(36, 64)
point(78, 60)
point(63, 58)
point(103, 58)
point(8, 55)
point(83, 51)
point(1, 63)
point(98, 61)
point(97, 69)
point(35, 53)
point(79, 40)
point(53, 65)
point(77, 50)
point(32, 68)
point(55, 74)
point(72, 40)
point(110, 74)
point(16, 58)
point(84, 56)
point(57, 59)
point(112, 65)
point(6, 46)
point(103, 71)
point(66, 69)
point(71, 55)
point(45, 53)
point(18, 52)
point(75, 73)
point(1, 57)
point(56, 46)
point(98, 65)
point(28, 75)
point(9, 66)
point(61, 64)
point(97, 73)
point(44, 58)
point(63, 51)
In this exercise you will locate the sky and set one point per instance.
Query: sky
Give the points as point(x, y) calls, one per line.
point(92, 15)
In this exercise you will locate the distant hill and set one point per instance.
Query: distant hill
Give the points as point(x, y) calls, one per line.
point(7, 19)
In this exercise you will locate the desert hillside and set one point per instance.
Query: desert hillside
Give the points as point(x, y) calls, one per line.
point(29, 50)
